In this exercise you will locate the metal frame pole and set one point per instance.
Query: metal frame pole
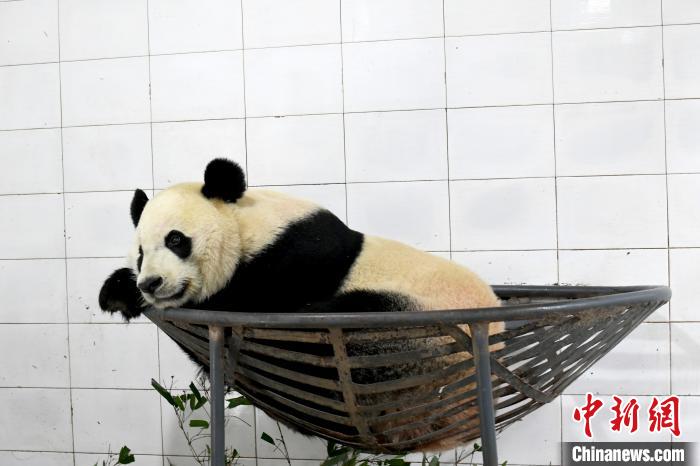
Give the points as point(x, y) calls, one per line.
point(487, 418)
point(216, 377)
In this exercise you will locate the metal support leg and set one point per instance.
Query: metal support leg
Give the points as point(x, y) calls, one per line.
point(216, 377)
point(487, 419)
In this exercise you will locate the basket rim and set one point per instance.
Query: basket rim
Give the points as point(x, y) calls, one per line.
point(580, 298)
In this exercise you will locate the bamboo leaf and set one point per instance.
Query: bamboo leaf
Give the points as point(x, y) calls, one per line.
point(195, 392)
point(266, 437)
point(125, 456)
point(199, 423)
point(163, 392)
point(238, 401)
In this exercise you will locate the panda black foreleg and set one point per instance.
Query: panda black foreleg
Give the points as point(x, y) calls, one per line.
point(119, 293)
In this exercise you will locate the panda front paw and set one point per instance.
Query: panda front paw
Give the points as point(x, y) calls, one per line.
point(119, 293)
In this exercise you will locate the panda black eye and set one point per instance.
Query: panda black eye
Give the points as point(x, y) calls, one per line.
point(173, 239)
point(178, 243)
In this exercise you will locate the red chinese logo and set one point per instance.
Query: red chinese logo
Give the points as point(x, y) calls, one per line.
point(627, 415)
point(663, 414)
point(592, 406)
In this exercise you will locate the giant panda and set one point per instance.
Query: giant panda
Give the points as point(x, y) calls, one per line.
point(221, 246)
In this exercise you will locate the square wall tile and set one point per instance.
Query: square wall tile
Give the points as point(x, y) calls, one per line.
point(511, 267)
point(105, 91)
point(684, 210)
point(182, 150)
point(573, 431)
point(131, 416)
point(36, 419)
point(194, 26)
point(681, 11)
point(685, 367)
point(616, 268)
point(115, 156)
point(682, 59)
point(536, 439)
point(90, 459)
point(501, 142)
point(21, 278)
point(328, 196)
point(607, 64)
point(39, 355)
point(30, 96)
point(391, 19)
point(612, 212)
point(610, 138)
point(31, 458)
point(639, 364)
point(294, 80)
point(271, 23)
point(295, 150)
point(690, 424)
point(583, 14)
point(85, 279)
point(239, 431)
point(197, 86)
point(99, 224)
point(103, 29)
point(495, 16)
point(503, 214)
point(191, 461)
point(682, 137)
point(36, 161)
point(298, 445)
point(396, 75)
point(685, 276)
point(396, 146)
point(113, 356)
point(499, 70)
point(176, 368)
point(37, 226)
point(415, 213)
point(28, 32)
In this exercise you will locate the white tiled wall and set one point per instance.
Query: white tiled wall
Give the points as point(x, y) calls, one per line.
point(537, 142)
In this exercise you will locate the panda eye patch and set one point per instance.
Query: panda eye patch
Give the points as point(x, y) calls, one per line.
point(178, 243)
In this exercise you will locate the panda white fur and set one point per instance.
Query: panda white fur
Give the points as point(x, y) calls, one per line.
point(220, 246)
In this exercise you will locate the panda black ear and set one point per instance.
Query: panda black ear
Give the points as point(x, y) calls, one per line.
point(224, 179)
point(138, 202)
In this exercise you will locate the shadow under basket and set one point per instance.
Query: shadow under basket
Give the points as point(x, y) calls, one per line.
point(406, 381)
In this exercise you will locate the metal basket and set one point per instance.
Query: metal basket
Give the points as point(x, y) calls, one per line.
point(397, 382)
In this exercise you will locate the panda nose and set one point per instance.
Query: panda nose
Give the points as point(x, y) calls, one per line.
point(150, 284)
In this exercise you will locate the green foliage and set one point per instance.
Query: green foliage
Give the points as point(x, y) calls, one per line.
point(195, 401)
point(199, 423)
point(238, 401)
point(266, 437)
point(125, 456)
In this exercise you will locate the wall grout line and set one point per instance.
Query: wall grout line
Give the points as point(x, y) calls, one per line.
point(65, 230)
point(447, 154)
point(153, 183)
point(247, 177)
point(320, 44)
point(357, 112)
point(447, 136)
point(668, 223)
point(556, 205)
point(427, 180)
point(342, 92)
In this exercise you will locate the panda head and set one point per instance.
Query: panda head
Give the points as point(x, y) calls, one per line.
point(187, 242)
